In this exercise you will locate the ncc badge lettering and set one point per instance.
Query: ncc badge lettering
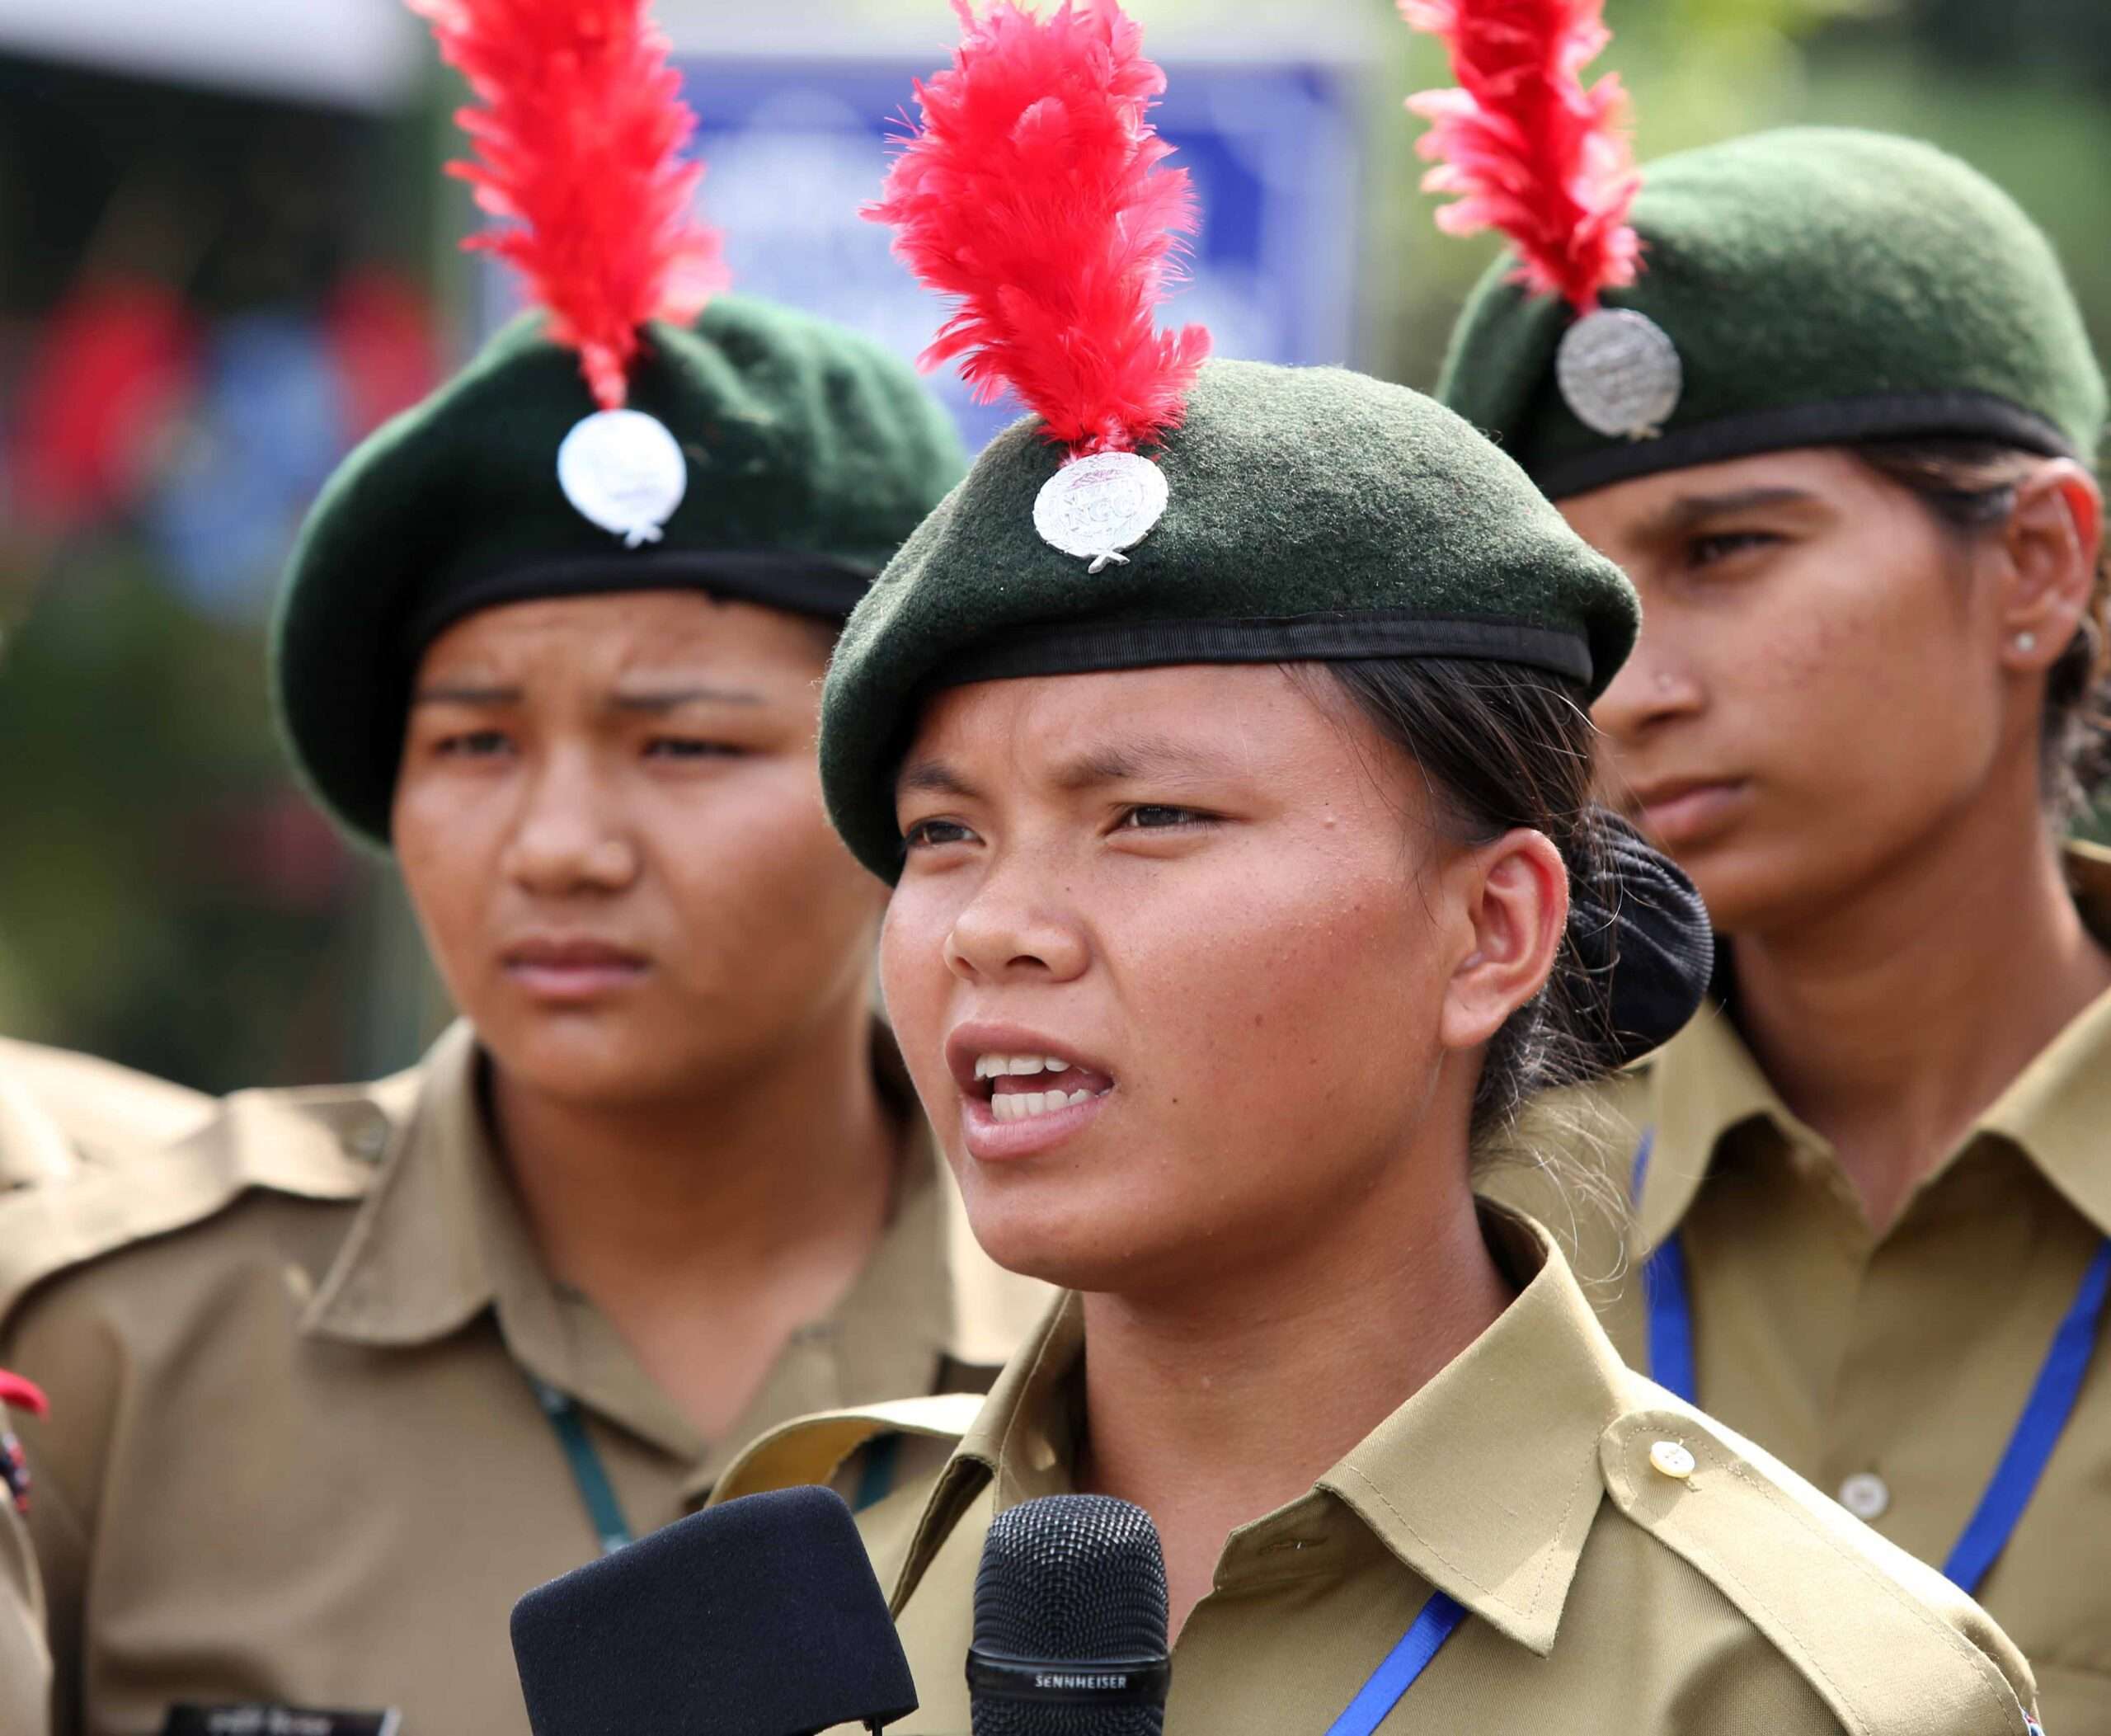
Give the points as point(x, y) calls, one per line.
point(277, 1721)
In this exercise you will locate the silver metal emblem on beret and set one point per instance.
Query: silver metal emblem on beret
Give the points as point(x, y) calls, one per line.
point(623, 471)
point(1620, 372)
point(1095, 507)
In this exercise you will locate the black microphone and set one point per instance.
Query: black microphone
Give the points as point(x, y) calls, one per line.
point(1069, 1622)
point(759, 1618)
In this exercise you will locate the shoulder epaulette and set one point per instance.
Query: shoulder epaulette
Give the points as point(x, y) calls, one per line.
point(322, 1143)
point(813, 1449)
point(106, 1111)
point(34, 1148)
point(1889, 1644)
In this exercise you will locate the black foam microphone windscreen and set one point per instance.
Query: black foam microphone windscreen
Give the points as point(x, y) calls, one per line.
point(759, 1618)
point(1069, 1622)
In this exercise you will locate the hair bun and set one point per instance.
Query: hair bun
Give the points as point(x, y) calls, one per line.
point(1642, 945)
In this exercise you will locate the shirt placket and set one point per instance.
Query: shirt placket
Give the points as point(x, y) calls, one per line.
point(1959, 1301)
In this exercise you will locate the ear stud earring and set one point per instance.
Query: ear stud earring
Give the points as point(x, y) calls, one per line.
point(2026, 641)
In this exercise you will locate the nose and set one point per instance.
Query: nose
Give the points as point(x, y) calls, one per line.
point(1654, 687)
point(1016, 929)
point(570, 838)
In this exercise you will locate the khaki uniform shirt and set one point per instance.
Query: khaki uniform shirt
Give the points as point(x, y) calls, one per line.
point(1604, 1596)
point(294, 1455)
point(1890, 1372)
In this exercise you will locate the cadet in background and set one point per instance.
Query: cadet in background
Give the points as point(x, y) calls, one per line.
point(358, 1366)
point(1839, 426)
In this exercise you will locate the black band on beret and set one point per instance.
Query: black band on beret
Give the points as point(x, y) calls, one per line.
point(1643, 945)
point(1337, 636)
point(792, 580)
point(1835, 423)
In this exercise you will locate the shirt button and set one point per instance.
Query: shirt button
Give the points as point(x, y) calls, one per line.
point(368, 1141)
point(1866, 1495)
point(1672, 1459)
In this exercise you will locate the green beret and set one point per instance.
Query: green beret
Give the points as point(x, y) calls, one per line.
point(1312, 514)
point(1819, 287)
point(810, 454)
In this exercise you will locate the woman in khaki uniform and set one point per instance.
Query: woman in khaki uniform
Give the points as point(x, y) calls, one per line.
point(339, 1377)
point(1840, 433)
point(1272, 839)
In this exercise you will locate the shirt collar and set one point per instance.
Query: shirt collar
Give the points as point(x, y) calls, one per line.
point(416, 1264)
point(441, 1239)
point(2057, 1111)
point(1702, 1084)
point(1705, 1083)
point(1485, 1483)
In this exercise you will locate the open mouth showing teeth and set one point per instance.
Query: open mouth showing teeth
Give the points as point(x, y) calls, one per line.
point(1018, 1087)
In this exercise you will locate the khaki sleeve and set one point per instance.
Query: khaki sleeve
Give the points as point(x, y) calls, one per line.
point(24, 1662)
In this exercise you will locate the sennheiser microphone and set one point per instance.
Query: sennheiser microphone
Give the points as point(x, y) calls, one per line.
point(1069, 1622)
point(759, 1618)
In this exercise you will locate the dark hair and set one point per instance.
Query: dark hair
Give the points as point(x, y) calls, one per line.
point(1970, 486)
point(1502, 747)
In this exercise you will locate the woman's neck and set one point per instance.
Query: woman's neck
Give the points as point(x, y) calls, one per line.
point(710, 1227)
point(1211, 1410)
point(1890, 1023)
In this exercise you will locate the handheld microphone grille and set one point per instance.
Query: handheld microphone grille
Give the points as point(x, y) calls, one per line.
point(759, 1618)
point(1071, 1622)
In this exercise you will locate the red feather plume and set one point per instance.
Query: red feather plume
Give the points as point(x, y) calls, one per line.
point(579, 144)
point(1530, 148)
point(1033, 193)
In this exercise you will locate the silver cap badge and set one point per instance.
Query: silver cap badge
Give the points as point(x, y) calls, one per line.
point(1095, 507)
point(1620, 372)
point(623, 471)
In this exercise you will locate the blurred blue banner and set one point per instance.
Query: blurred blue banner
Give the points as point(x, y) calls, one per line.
point(796, 147)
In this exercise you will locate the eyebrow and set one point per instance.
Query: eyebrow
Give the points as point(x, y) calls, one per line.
point(1149, 756)
point(1159, 756)
point(932, 778)
point(464, 694)
point(655, 702)
point(1684, 514)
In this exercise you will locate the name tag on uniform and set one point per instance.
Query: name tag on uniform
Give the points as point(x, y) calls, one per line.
point(277, 1721)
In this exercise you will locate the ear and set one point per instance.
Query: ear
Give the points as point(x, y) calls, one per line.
point(2052, 541)
point(1514, 893)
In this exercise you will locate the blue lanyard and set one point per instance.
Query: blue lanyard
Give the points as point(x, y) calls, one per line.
point(598, 1494)
point(1389, 1682)
point(596, 1490)
point(2052, 1396)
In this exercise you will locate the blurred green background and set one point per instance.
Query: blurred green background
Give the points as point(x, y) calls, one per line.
point(209, 285)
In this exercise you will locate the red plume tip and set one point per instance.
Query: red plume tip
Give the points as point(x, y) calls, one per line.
point(17, 1394)
point(1033, 194)
point(579, 144)
point(1529, 148)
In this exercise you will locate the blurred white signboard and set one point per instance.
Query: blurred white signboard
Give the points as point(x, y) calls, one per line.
point(354, 54)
